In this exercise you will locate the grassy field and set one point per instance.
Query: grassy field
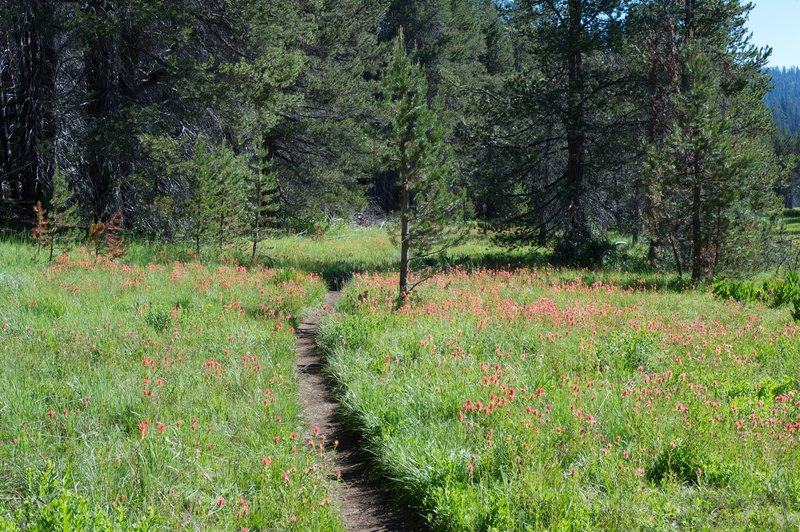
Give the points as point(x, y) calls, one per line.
point(160, 392)
point(791, 217)
point(515, 401)
point(335, 254)
point(159, 396)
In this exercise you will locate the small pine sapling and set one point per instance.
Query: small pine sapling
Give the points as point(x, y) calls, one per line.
point(114, 241)
point(42, 232)
point(229, 194)
point(217, 207)
point(266, 197)
point(199, 206)
point(423, 163)
point(108, 236)
point(96, 231)
point(63, 216)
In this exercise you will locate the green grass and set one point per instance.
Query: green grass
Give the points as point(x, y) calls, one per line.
point(164, 336)
point(335, 254)
point(149, 396)
point(535, 400)
point(791, 218)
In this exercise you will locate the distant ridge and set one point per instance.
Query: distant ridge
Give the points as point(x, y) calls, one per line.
point(784, 99)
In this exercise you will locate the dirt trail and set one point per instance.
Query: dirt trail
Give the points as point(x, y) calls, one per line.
point(366, 506)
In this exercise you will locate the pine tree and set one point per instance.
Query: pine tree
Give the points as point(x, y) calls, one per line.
point(710, 178)
point(64, 210)
point(230, 195)
point(560, 128)
point(464, 48)
point(42, 232)
point(219, 203)
point(266, 198)
point(423, 163)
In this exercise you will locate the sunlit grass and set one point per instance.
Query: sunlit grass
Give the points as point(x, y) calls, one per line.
point(536, 400)
point(158, 396)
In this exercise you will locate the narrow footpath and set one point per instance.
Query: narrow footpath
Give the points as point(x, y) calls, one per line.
point(366, 506)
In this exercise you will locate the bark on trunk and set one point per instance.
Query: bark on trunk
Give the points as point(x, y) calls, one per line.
point(404, 238)
point(577, 227)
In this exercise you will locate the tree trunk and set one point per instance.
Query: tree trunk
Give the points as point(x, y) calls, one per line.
point(27, 117)
point(221, 230)
point(257, 221)
point(699, 266)
point(577, 227)
point(99, 73)
point(404, 237)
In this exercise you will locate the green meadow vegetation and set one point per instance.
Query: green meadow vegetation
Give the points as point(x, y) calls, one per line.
point(564, 236)
point(533, 400)
point(154, 397)
point(159, 390)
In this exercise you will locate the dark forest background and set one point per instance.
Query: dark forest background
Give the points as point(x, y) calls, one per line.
point(197, 120)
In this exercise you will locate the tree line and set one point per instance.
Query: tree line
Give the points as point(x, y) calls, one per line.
point(551, 121)
point(784, 101)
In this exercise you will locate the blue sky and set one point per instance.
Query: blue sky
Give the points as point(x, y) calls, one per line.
point(777, 23)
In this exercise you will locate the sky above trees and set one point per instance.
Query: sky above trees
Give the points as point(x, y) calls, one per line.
point(774, 23)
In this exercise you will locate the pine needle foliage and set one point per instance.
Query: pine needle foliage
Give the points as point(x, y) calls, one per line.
point(423, 163)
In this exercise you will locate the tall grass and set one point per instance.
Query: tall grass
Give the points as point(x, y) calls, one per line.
point(154, 396)
point(537, 400)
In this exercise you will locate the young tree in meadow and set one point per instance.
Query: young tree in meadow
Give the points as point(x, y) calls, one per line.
point(230, 195)
point(265, 196)
point(423, 164)
point(199, 206)
point(64, 210)
point(217, 208)
point(464, 48)
point(61, 221)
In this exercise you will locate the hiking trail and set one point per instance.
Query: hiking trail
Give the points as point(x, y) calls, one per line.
point(365, 505)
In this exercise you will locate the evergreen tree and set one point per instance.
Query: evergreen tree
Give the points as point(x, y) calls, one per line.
point(218, 206)
point(265, 195)
point(784, 99)
point(423, 163)
point(28, 65)
point(561, 127)
point(713, 173)
point(64, 210)
point(465, 49)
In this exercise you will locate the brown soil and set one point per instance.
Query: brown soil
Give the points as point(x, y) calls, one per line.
point(365, 505)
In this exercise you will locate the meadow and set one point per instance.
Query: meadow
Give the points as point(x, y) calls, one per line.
point(532, 400)
point(160, 396)
point(159, 391)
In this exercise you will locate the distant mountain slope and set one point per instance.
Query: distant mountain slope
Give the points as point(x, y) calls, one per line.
point(784, 100)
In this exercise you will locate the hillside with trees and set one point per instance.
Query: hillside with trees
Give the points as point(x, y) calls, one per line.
point(784, 102)
point(784, 99)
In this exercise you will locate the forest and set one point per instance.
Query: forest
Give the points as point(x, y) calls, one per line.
point(783, 98)
point(347, 265)
point(558, 121)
